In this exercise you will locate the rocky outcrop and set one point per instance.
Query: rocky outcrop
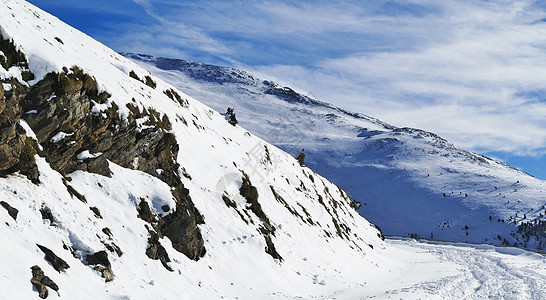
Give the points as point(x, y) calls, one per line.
point(147, 79)
point(11, 57)
point(12, 135)
point(156, 251)
point(176, 227)
point(101, 264)
point(181, 228)
point(79, 128)
point(58, 263)
point(16, 150)
point(42, 282)
point(62, 109)
point(250, 193)
point(12, 211)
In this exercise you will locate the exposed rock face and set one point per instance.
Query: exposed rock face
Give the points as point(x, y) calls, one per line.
point(250, 193)
point(13, 57)
point(16, 151)
point(58, 263)
point(42, 282)
point(12, 211)
point(176, 227)
point(102, 264)
point(156, 251)
point(61, 104)
point(181, 228)
point(60, 110)
point(12, 136)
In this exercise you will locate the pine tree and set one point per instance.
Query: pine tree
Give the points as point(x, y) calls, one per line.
point(231, 114)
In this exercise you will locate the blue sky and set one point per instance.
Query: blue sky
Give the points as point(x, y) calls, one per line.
point(472, 71)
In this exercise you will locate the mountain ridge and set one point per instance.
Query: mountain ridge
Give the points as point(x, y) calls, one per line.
point(341, 146)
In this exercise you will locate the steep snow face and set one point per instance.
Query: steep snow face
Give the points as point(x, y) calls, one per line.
point(269, 226)
point(410, 182)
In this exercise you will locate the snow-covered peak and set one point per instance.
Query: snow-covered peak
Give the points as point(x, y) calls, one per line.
point(409, 181)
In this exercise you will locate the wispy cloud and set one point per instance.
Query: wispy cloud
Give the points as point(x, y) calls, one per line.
point(472, 71)
point(475, 73)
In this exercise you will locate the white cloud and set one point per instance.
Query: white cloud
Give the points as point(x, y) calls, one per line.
point(465, 80)
point(471, 71)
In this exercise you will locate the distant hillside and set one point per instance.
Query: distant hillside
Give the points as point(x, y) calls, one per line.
point(410, 182)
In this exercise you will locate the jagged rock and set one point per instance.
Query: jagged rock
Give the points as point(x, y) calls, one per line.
point(149, 82)
point(41, 282)
point(62, 102)
point(100, 257)
point(180, 227)
point(12, 211)
point(270, 248)
point(72, 191)
point(27, 164)
point(176, 97)
point(147, 79)
point(102, 264)
point(12, 135)
point(144, 211)
point(185, 236)
point(112, 247)
point(16, 150)
point(380, 233)
point(13, 57)
point(250, 193)
point(96, 212)
point(58, 263)
point(156, 251)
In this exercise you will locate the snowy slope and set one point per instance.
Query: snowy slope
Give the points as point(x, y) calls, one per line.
point(96, 218)
point(273, 239)
point(410, 182)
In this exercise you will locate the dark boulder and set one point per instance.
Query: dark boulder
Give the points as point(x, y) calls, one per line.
point(101, 264)
point(12, 211)
point(156, 251)
point(58, 263)
point(42, 282)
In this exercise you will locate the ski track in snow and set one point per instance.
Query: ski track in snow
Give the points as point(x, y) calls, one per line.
point(494, 273)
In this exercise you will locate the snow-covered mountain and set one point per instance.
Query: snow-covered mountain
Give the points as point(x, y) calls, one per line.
point(116, 185)
point(109, 170)
point(410, 182)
